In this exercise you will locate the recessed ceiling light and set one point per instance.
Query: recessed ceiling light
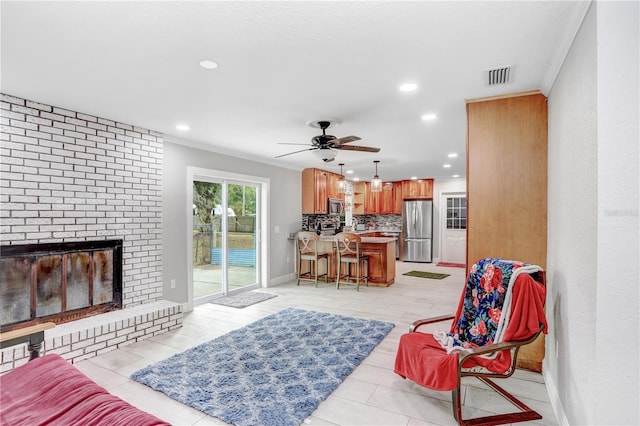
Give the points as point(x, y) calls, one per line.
point(408, 87)
point(182, 127)
point(452, 155)
point(349, 172)
point(456, 175)
point(414, 177)
point(356, 179)
point(427, 117)
point(207, 64)
point(446, 166)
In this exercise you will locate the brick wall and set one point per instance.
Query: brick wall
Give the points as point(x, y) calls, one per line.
point(67, 176)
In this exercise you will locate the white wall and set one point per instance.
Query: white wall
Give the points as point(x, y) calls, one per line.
point(441, 186)
point(592, 255)
point(616, 369)
point(284, 211)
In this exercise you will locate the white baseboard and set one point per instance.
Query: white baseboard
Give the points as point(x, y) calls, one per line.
point(281, 279)
point(554, 396)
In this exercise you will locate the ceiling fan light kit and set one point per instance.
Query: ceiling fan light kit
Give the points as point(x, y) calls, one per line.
point(324, 146)
point(376, 182)
point(325, 154)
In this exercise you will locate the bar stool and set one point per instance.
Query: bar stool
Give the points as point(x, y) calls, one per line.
point(347, 246)
point(307, 243)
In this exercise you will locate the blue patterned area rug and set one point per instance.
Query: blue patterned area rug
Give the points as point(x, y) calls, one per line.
point(274, 371)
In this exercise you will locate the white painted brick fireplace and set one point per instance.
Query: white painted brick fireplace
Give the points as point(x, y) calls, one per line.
point(67, 176)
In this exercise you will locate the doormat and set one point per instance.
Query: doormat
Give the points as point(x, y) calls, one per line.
point(452, 264)
point(423, 274)
point(275, 371)
point(243, 300)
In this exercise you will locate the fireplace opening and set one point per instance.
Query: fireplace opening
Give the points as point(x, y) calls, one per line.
point(58, 282)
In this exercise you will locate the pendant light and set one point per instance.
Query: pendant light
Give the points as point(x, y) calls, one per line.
point(376, 182)
point(342, 182)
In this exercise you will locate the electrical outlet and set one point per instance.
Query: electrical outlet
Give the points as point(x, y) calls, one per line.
point(173, 283)
point(276, 230)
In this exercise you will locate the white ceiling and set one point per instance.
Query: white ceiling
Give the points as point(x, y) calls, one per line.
point(283, 64)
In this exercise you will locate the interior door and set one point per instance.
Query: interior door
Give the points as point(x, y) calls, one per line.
point(454, 226)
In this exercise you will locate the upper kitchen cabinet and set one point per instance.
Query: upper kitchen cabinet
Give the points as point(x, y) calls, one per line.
point(388, 198)
point(314, 191)
point(359, 194)
point(317, 187)
point(507, 187)
point(417, 189)
point(332, 186)
point(397, 198)
point(372, 200)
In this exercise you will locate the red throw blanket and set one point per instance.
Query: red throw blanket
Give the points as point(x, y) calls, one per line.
point(423, 360)
point(50, 391)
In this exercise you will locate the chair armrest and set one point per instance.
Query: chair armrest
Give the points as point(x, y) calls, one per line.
point(495, 347)
point(431, 320)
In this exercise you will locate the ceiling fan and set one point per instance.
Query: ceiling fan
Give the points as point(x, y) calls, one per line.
point(324, 146)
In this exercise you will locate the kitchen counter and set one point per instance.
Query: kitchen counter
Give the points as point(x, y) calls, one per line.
point(379, 240)
point(382, 258)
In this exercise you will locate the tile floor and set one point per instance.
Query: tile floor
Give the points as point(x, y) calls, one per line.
point(372, 395)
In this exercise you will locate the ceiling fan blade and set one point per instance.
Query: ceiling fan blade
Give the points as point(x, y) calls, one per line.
point(288, 143)
point(357, 148)
point(294, 152)
point(345, 139)
point(328, 160)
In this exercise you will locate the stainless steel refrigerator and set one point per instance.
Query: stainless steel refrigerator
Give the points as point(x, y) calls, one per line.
point(417, 230)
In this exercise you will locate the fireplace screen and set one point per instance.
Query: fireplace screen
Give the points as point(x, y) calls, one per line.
point(59, 282)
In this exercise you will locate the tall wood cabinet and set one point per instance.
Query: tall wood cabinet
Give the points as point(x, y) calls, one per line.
point(314, 191)
point(507, 186)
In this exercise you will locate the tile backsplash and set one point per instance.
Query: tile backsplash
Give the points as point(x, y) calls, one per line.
point(381, 221)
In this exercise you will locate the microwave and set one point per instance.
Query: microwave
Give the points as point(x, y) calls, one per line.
point(335, 206)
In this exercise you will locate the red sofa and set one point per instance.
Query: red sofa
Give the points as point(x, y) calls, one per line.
point(51, 391)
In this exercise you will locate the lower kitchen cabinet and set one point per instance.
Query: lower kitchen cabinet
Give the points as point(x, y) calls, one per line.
point(382, 260)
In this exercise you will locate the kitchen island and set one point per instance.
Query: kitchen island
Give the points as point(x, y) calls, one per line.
point(382, 259)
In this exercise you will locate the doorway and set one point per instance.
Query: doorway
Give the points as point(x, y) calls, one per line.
point(227, 216)
point(454, 227)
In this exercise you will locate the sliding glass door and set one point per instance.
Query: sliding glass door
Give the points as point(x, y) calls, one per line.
point(226, 220)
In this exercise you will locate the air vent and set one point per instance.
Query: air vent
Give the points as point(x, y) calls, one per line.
point(500, 75)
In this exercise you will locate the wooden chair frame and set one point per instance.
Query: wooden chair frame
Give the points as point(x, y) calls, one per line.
point(348, 250)
point(307, 243)
point(526, 413)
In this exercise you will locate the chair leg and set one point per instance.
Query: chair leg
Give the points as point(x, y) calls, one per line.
point(299, 261)
point(358, 275)
point(525, 413)
point(366, 276)
point(457, 405)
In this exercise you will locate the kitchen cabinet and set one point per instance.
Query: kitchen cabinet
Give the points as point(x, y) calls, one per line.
point(317, 187)
point(359, 193)
point(382, 259)
point(314, 191)
point(372, 200)
point(507, 187)
point(417, 189)
point(397, 198)
point(332, 186)
point(387, 198)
